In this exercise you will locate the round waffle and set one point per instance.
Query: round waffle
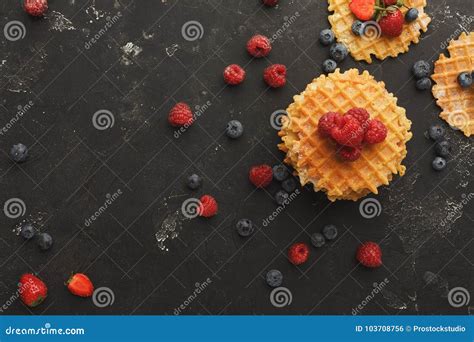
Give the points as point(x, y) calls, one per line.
point(362, 47)
point(314, 157)
point(457, 103)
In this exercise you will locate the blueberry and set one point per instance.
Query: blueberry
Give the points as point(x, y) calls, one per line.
point(411, 15)
point(436, 132)
point(19, 153)
point(443, 148)
point(194, 182)
point(289, 185)
point(27, 231)
point(423, 84)
point(234, 129)
point(326, 37)
point(465, 79)
point(358, 27)
point(245, 227)
point(421, 69)
point(439, 163)
point(338, 52)
point(281, 197)
point(318, 240)
point(329, 66)
point(280, 172)
point(274, 278)
point(45, 241)
point(330, 232)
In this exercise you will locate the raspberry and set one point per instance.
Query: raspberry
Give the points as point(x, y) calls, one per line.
point(327, 122)
point(349, 132)
point(349, 153)
point(275, 75)
point(261, 175)
point(208, 206)
point(390, 2)
point(35, 8)
point(180, 115)
point(298, 253)
point(369, 254)
point(361, 115)
point(376, 132)
point(259, 46)
point(234, 74)
point(270, 3)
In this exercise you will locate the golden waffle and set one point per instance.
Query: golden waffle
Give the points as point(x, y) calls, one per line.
point(457, 103)
point(371, 43)
point(314, 157)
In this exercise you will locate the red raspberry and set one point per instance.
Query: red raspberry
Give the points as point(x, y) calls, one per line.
point(35, 8)
point(349, 153)
point(270, 3)
point(349, 132)
point(369, 254)
point(259, 46)
point(390, 2)
point(327, 122)
point(180, 115)
point(234, 74)
point(298, 253)
point(376, 132)
point(361, 115)
point(275, 75)
point(261, 175)
point(208, 206)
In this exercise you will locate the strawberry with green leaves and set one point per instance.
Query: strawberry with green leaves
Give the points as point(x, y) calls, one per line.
point(391, 23)
point(32, 290)
point(80, 285)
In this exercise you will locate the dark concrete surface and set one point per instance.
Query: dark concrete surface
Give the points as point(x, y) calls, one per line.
point(423, 226)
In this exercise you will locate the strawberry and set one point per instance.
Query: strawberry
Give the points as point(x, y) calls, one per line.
point(369, 254)
point(80, 285)
point(32, 290)
point(363, 9)
point(391, 24)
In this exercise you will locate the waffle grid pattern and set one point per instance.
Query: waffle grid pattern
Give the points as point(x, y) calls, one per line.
point(457, 103)
point(362, 48)
point(314, 158)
